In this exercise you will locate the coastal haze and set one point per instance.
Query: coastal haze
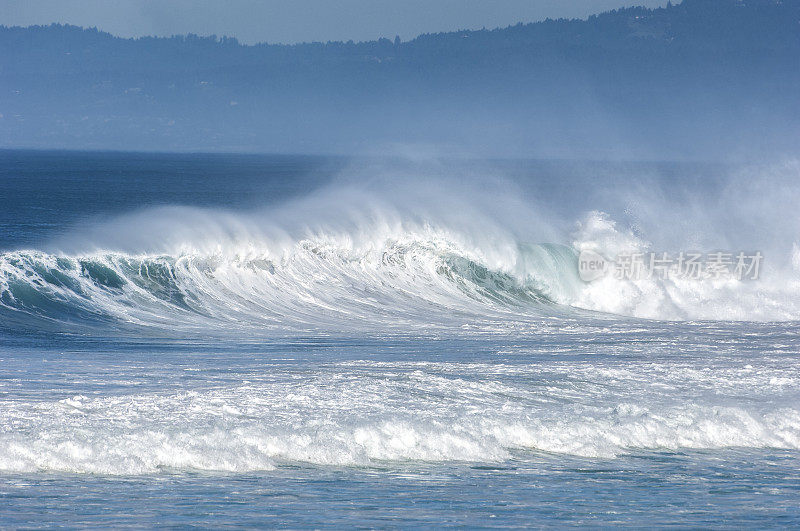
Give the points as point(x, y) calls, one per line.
point(279, 22)
point(709, 80)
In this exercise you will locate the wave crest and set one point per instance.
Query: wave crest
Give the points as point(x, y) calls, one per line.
point(373, 268)
point(314, 285)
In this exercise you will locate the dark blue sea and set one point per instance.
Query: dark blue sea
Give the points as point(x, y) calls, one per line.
point(241, 340)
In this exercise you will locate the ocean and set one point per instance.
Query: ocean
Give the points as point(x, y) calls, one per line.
point(239, 340)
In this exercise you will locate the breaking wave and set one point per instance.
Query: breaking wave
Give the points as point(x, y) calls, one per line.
point(347, 259)
point(365, 414)
point(313, 287)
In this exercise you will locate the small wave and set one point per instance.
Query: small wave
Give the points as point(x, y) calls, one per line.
point(360, 420)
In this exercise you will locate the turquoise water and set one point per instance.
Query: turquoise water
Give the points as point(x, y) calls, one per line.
point(223, 340)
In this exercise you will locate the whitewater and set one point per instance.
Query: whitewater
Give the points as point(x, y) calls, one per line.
point(397, 327)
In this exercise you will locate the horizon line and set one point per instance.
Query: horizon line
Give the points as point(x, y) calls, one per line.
point(396, 38)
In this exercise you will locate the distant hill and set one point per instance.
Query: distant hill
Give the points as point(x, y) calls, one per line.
point(701, 79)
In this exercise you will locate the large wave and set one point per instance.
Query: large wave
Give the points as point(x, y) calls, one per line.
point(407, 282)
point(350, 258)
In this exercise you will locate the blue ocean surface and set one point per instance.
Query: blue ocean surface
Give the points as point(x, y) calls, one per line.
point(237, 340)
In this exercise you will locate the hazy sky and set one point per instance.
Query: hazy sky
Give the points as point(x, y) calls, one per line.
point(291, 21)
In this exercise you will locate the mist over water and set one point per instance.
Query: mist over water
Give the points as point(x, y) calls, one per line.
point(408, 243)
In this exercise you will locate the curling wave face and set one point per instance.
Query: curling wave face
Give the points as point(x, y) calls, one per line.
point(314, 286)
point(355, 267)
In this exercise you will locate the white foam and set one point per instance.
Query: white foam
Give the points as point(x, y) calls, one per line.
point(349, 259)
point(365, 413)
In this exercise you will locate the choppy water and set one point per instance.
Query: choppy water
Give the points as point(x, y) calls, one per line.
point(222, 340)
